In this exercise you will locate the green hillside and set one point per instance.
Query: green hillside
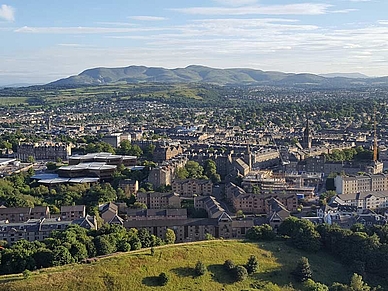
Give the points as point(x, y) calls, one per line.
point(138, 270)
point(202, 74)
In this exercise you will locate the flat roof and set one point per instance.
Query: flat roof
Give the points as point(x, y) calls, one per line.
point(69, 180)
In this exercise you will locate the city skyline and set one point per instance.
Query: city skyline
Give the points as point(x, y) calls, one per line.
point(46, 41)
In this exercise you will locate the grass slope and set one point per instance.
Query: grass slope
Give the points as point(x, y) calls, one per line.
point(138, 270)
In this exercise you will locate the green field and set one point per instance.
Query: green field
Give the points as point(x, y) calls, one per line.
point(12, 100)
point(138, 270)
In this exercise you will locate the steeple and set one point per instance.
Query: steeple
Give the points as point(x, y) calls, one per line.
point(307, 139)
point(375, 138)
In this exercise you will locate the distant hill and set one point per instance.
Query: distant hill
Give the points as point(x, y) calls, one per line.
point(345, 75)
point(202, 74)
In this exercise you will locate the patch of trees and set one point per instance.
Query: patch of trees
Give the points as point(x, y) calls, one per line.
point(363, 249)
point(194, 170)
point(19, 190)
point(73, 245)
point(357, 154)
point(239, 272)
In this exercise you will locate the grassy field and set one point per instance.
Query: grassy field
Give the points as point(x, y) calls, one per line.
point(138, 270)
point(12, 100)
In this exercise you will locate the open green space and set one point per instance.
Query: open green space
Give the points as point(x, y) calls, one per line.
point(139, 270)
point(12, 100)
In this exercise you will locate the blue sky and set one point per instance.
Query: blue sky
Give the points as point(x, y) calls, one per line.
point(45, 40)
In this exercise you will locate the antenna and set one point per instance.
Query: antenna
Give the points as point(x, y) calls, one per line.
point(375, 138)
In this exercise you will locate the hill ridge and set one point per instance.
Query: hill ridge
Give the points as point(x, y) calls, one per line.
point(204, 74)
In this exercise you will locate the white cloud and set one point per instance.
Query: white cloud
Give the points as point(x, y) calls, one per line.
point(7, 12)
point(83, 30)
point(288, 9)
point(344, 10)
point(147, 18)
point(236, 3)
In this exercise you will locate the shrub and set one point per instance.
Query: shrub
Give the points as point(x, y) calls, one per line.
point(26, 274)
point(302, 271)
point(241, 273)
point(229, 265)
point(252, 265)
point(200, 268)
point(163, 279)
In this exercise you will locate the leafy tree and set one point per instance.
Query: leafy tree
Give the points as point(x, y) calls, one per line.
point(200, 268)
point(181, 173)
point(261, 232)
point(240, 214)
point(339, 287)
point(170, 236)
point(163, 279)
point(145, 238)
point(310, 285)
point(194, 170)
point(43, 258)
point(241, 273)
point(252, 265)
point(61, 256)
point(357, 284)
point(103, 245)
point(139, 205)
point(302, 271)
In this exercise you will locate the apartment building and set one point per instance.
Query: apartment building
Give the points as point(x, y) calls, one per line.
point(258, 203)
point(46, 151)
point(356, 184)
point(157, 200)
point(190, 187)
point(22, 214)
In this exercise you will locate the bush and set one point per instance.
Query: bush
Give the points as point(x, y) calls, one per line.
point(252, 265)
point(302, 271)
point(241, 273)
point(200, 269)
point(229, 265)
point(26, 274)
point(163, 279)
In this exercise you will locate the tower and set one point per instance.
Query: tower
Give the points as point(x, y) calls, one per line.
point(249, 154)
point(307, 139)
point(375, 138)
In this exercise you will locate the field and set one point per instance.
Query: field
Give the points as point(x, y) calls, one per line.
point(12, 100)
point(138, 270)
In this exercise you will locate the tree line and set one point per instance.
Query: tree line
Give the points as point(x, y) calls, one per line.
point(74, 245)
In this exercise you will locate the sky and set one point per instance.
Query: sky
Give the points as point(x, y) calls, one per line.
point(45, 40)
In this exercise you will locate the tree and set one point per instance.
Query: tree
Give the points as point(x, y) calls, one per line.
point(302, 271)
point(261, 232)
point(240, 214)
point(241, 273)
point(357, 284)
point(194, 169)
point(170, 236)
point(103, 245)
point(200, 268)
point(163, 279)
point(30, 159)
point(252, 265)
point(61, 256)
point(311, 285)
